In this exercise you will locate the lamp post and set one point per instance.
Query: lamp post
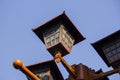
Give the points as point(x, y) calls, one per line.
point(59, 35)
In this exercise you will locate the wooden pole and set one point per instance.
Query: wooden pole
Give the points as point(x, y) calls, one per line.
point(68, 67)
point(19, 65)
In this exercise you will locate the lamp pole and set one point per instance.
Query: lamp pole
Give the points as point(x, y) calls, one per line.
point(107, 73)
point(58, 58)
point(19, 65)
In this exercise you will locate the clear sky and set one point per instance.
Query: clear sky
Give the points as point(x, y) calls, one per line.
point(95, 19)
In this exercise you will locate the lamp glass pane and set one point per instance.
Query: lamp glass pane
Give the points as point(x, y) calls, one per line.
point(118, 49)
point(45, 75)
point(67, 39)
point(51, 36)
point(112, 50)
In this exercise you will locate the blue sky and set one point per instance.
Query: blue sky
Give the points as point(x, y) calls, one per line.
point(95, 19)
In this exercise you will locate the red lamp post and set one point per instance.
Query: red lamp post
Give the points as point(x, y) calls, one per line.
point(59, 34)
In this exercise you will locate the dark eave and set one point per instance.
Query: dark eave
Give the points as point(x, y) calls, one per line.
point(98, 44)
point(51, 64)
point(68, 25)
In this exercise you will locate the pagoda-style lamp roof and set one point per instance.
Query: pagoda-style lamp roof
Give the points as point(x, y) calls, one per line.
point(47, 70)
point(68, 25)
point(109, 49)
point(59, 35)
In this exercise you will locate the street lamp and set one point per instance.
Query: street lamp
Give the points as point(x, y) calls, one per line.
point(59, 34)
point(47, 70)
point(109, 49)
